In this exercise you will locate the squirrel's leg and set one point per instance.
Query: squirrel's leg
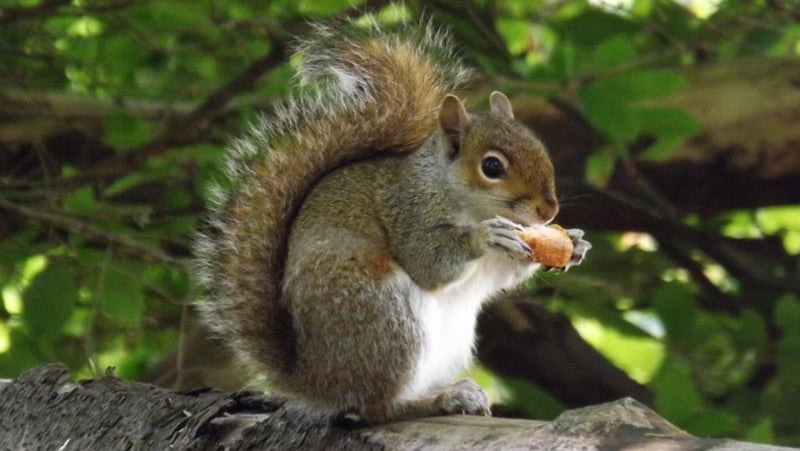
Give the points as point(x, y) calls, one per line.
point(357, 339)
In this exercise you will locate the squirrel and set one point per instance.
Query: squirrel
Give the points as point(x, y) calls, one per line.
point(356, 235)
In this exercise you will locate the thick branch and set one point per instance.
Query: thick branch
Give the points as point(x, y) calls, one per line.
point(42, 410)
point(517, 338)
point(38, 116)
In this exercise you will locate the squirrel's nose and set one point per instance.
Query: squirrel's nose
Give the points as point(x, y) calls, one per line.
point(547, 207)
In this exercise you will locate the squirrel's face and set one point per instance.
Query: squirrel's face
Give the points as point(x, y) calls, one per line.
point(504, 166)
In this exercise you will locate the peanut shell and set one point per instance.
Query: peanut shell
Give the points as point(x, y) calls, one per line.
point(550, 245)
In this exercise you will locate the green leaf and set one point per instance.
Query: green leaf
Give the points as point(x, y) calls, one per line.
point(718, 423)
point(787, 318)
point(58, 25)
point(670, 126)
point(669, 122)
point(648, 84)
point(761, 39)
point(173, 14)
point(564, 61)
point(122, 299)
point(594, 25)
point(81, 201)
point(776, 219)
point(761, 432)
point(599, 167)
point(124, 57)
point(676, 20)
point(48, 301)
point(783, 220)
point(179, 227)
point(638, 354)
point(787, 315)
point(85, 26)
point(676, 398)
point(177, 199)
point(123, 131)
point(609, 113)
point(23, 354)
point(532, 400)
point(661, 150)
point(674, 303)
point(126, 183)
point(206, 67)
point(786, 356)
point(639, 85)
point(315, 8)
point(642, 8)
point(171, 280)
point(612, 52)
point(753, 329)
point(18, 247)
point(516, 33)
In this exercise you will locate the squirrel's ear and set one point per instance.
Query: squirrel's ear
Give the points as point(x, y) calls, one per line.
point(453, 118)
point(499, 104)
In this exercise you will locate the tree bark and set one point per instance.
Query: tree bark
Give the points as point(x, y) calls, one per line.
point(42, 410)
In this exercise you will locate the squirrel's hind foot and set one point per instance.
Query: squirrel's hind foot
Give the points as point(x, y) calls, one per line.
point(464, 397)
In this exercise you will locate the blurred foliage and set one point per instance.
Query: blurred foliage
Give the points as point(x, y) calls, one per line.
point(96, 274)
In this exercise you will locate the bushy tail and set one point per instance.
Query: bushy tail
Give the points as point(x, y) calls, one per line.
point(367, 91)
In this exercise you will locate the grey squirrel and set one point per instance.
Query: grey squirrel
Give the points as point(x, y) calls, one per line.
point(357, 234)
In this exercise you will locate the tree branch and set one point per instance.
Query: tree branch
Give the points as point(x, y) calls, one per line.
point(187, 129)
point(17, 14)
point(43, 410)
point(59, 221)
point(49, 8)
point(517, 338)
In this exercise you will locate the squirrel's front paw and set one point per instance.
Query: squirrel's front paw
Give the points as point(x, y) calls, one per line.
point(502, 234)
point(464, 397)
point(579, 247)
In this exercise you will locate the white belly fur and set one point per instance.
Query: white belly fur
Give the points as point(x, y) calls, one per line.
point(448, 316)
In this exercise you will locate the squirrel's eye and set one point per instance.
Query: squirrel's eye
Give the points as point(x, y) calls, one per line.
point(493, 168)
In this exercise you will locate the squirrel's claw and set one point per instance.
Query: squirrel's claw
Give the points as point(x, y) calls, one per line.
point(501, 234)
point(464, 397)
point(579, 247)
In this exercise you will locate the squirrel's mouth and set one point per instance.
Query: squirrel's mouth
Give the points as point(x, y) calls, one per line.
point(523, 219)
point(526, 211)
point(523, 212)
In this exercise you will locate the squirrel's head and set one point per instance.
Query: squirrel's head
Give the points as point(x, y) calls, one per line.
point(504, 166)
